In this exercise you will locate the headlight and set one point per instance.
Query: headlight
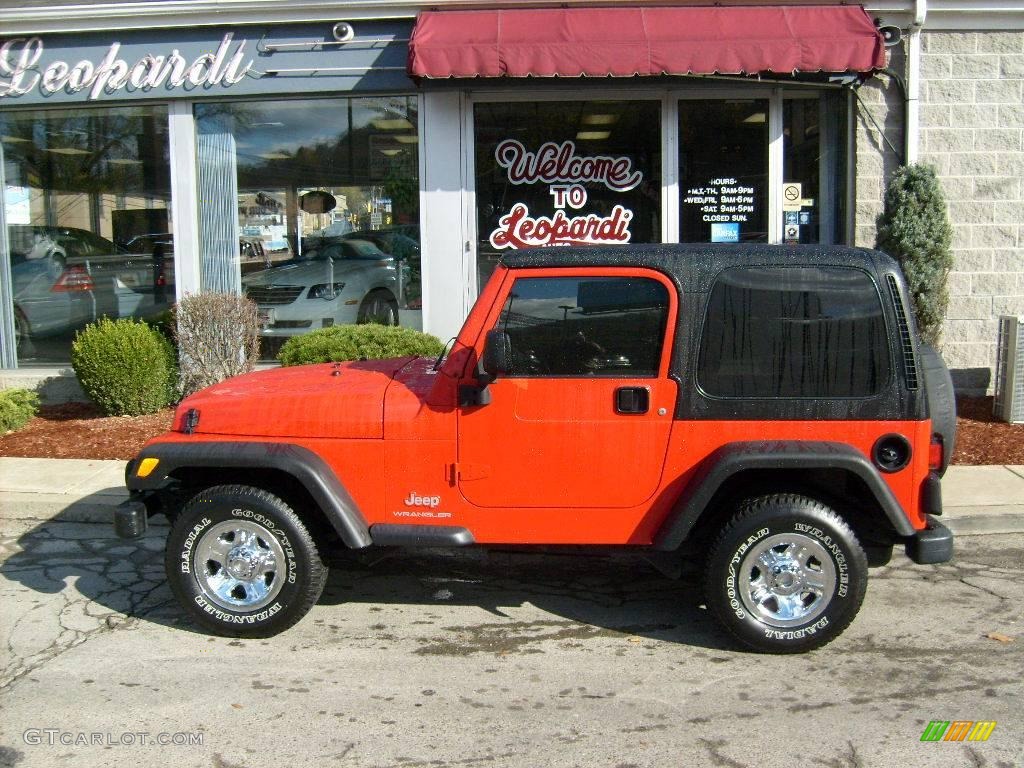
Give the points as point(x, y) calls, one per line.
point(325, 291)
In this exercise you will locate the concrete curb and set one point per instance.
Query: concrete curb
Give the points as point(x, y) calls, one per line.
point(36, 507)
point(978, 500)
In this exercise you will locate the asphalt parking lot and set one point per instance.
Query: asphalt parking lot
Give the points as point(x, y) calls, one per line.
point(472, 659)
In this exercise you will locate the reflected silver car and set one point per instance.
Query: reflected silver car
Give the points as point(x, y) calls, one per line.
point(62, 279)
point(334, 281)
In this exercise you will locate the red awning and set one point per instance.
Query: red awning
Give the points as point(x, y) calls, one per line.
point(622, 42)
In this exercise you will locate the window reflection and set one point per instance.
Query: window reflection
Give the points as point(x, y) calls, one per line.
point(84, 189)
point(598, 326)
point(325, 195)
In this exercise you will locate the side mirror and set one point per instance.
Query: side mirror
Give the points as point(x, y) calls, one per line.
point(497, 357)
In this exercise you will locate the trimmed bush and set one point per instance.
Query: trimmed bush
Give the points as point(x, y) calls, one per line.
point(914, 229)
point(125, 366)
point(17, 406)
point(218, 337)
point(358, 342)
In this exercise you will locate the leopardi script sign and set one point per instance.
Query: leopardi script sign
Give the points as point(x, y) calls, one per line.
point(22, 71)
point(565, 171)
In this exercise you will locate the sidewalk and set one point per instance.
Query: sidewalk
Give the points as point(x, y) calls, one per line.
point(977, 500)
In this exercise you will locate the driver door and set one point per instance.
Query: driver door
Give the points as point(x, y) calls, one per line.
point(583, 416)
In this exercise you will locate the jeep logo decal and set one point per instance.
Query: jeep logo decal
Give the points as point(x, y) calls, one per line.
point(415, 500)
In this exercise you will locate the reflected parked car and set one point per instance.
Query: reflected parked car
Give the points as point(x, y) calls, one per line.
point(62, 279)
point(403, 243)
point(151, 270)
point(334, 281)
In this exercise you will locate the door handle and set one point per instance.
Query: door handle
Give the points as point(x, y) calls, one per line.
point(632, 400)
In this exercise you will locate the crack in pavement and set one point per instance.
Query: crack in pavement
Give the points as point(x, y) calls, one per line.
point(46, 559)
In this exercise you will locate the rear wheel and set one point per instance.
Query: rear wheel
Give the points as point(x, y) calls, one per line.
point(242, 563)
point(379, 307)
point(786, 574)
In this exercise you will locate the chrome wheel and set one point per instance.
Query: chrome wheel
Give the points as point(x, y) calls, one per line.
point(786, 579)
point(239, 564)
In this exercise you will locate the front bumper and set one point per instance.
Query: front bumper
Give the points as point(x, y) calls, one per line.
point(131, 518)
point(931, 545)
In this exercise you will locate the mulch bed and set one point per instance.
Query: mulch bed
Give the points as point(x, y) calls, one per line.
point(79, 431)
point(981, 439)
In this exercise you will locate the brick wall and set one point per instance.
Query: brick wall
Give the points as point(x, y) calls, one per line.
point(972, 131)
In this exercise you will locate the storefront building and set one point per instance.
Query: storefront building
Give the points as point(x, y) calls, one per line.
point(347, 162)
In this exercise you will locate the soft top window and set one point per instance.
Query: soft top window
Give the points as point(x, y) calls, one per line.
point(794, 332)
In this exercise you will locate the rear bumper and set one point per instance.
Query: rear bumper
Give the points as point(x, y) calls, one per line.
point(931, 545)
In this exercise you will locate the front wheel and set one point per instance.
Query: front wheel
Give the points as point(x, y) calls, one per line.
point(786, 575)
point(379, 307)
point(242, 563)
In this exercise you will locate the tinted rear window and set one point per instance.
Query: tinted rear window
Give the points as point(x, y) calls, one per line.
point(774, 332)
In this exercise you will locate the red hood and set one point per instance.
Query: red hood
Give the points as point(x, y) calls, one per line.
point(298, 401)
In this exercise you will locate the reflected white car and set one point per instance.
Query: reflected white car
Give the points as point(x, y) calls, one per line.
point(335, 281)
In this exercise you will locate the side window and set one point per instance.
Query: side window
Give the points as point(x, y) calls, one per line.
point(784, 332)
point(587, 326)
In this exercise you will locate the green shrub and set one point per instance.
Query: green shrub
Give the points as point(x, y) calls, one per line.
point(125, 366)
point(17, 406)
point(914, 229)
point(358, 342)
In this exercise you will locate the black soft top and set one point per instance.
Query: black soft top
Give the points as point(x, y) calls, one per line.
point(693, 268)
point(694, 265)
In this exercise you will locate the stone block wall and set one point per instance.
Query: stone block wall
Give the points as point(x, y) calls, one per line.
point(972, 131)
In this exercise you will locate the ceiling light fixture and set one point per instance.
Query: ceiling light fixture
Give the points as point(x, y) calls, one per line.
point(66, 151)
point(407, 139)
point(600, 119)
point(593, 135)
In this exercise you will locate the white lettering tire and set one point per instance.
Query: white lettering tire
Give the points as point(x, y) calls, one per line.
point(241, 563)
point(785, 575)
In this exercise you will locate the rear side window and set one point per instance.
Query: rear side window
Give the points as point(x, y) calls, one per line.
point(785, 332)
point(589, 326)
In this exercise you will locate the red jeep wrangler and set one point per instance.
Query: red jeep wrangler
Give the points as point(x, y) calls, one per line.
point(765, 412)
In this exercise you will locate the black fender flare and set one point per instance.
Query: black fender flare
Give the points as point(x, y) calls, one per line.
point(773, 455)
point(311, 471)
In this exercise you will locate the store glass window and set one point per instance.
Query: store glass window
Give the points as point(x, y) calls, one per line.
point(723, 171)
point(86, 196)
point(814, 174)
point(556, 173)
point(311, 208)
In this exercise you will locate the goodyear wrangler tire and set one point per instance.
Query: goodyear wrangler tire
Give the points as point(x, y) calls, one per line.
point(241, 562)
point(786, 574)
